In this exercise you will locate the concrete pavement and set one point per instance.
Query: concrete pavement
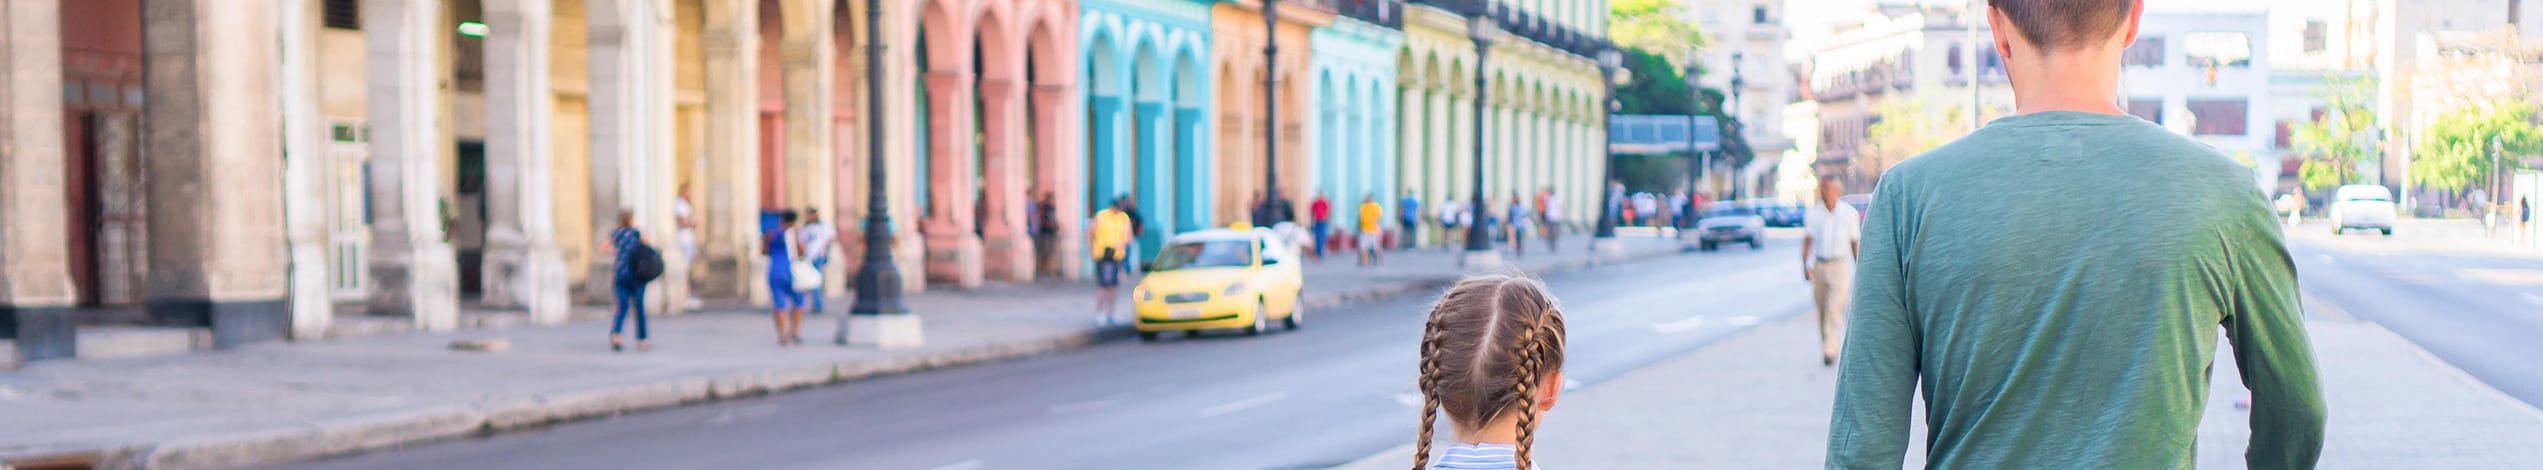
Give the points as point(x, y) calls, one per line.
point(275, 403)
point(1761, 400)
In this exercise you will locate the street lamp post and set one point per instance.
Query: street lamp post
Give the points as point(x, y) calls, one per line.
point(1603, 242)
point(1739, 123)
point(1699, 162)
point(1271, 105)
point(878, 318)
point(1479, 253)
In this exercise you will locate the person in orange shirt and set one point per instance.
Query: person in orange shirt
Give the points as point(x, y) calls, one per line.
point(1372, 229)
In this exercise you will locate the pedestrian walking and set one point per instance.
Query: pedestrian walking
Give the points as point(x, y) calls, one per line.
point(1516, 226)
point(2525, 221)
point(1046, 234)
point(684, 217)
point(2042, 339)
point(818, 237)
point(1682, 209)
point(1409, 213)
point(1372, 229)
point(1646, 209)
point(636, 264)
point(1492, 359)
point(791, 277)
point(1550, 211)
point(1109, 240)
point(1320, 222)
point(1832, 237)
point(1452, 217)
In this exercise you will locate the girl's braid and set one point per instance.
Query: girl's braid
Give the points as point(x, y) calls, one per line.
point(1526, 358)
point(1429, 385)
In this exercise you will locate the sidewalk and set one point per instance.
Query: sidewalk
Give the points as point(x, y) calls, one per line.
point(275, 403)
point(1761, 400)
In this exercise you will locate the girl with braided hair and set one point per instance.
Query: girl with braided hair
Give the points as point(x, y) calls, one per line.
point(1492, 358)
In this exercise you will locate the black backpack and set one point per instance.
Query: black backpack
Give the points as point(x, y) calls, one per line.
point(646, 265)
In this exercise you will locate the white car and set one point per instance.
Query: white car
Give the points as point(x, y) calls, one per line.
point(1730, 222)
point(2361, 207)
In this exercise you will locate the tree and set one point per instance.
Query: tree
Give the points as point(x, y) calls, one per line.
point(2337, 144)
point(2455, 152)
point(1905, 129)
point(1657, 26)
point(1655, 87)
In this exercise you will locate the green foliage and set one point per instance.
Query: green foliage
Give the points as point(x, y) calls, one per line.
point(1656, 87)
point(1659, 26)
point(2342, 141)
point(2456, 152)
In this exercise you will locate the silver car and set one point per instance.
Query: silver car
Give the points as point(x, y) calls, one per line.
point(1728, 223)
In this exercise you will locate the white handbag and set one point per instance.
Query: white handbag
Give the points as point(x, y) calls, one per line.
point(807, 278)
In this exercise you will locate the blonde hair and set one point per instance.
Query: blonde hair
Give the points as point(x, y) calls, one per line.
point(1488, 342)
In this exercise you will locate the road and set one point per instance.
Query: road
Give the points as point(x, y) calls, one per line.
point(1334, 391)
point(2480, 313)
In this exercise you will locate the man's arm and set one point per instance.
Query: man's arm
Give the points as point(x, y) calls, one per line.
point(1882, 348)
point(2271, 351)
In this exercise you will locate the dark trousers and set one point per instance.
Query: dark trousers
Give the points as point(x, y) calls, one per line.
point(1411, 236)
point(631, 296)
point(1320, 228)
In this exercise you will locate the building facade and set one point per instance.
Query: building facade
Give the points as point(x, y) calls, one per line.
point(1744, 57)
point(1540, 89)
point(1903, 61)
point(2206, 74)
point(1355, 70)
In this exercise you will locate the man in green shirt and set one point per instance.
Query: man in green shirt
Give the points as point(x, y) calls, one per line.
point(2054, 283)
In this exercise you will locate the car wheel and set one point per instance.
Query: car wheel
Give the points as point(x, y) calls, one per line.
point(1261, 319)
point(1756, 244)
point(2388, 231)
point(1706, 246)
point(1297, 315)
point(1147, 336)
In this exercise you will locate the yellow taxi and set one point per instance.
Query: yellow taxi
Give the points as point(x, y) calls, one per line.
point(1219, 279)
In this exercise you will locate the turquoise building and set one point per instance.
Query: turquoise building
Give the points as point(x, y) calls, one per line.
point(1354, 66)
point(1147, 107)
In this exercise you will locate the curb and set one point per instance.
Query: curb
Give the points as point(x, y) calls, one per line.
point(339, 436)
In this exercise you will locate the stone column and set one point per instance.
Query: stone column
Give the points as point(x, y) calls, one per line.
point(953, 252)
point(1412, 162)
point(1007, 249)
point(216, 219)
point(1191, 171)
point(658, 175)
point(414, 273)
point(523, 267)
point(728, 225)
point(304, 172)
point(629, 112)
point(1063, 170)
point(36, 295)
point(807, 55)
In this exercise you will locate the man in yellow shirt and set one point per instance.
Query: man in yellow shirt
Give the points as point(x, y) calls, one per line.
point(1110, 240)
point(1372, 233)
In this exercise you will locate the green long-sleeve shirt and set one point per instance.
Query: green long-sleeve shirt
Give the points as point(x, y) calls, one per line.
point(2056, 282)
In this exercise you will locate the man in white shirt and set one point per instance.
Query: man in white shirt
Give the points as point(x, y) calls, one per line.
point(1645, 208)
point(1834, 236)
point(818, 236)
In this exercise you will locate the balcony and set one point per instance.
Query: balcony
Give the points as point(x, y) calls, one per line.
point(1525, 25)
point(1388, 13)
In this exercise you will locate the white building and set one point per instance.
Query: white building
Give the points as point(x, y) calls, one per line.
point(2200, 73)
point(1902, 53)
point(1746, 43)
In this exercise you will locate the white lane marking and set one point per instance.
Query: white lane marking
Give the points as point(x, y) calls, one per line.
point(2327, 259)
point(729, 415)
point(1681, 325)
point(1409, 399)
point(973, 464)
point(2533, 299)
point(1570, 385)
point(1084, 406)
point(1242, 405)
point(1743, 320)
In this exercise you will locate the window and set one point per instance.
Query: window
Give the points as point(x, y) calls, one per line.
point(342, 14)
point(2149, 109)
point(2148, 51)
point(2217, 49)
point(2317, 36)
point(2218, 116)
point(2286, 134)
point(1759, 14)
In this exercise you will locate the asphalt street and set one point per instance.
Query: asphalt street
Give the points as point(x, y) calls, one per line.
point(1334, 391)
point(2482, 314)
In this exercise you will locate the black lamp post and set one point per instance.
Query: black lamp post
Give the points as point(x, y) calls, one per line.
point(1271, 106)
point(878, 281)
point(1610, 62)
point(1739, 122)
point(1479, 27)
point(1699, 162)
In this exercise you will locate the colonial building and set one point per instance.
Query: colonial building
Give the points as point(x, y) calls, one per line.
point(1744, 57)
point(2206, 74)
point(1904, 60)
point(1540, 89)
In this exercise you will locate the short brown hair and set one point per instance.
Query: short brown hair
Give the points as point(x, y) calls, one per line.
point(1488, 343)
point(2063, 24)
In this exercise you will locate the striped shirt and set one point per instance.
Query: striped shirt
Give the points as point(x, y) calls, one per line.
point(1463, 456)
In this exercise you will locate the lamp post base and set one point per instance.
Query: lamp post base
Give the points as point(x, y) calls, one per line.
point(1607, 247)
point(891, 331)
point(1486, 260)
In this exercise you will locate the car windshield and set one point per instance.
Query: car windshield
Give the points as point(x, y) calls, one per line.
point(1728, 210)
point(1205, 254)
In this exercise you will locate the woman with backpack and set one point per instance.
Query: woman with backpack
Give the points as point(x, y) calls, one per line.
point(637, 265)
